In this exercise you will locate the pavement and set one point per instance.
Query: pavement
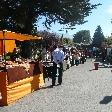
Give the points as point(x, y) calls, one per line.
point(83, 90)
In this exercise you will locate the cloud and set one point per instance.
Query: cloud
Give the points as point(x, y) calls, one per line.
point(109, 10)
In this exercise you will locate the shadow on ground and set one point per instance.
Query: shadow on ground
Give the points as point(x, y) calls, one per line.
point(92, 70)
point(106, 100)
point(47, 87)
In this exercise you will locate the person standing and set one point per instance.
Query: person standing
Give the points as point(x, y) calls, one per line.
point(58, 57)
point(44, 53)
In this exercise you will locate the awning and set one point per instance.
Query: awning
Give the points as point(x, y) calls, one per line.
point(8, 35)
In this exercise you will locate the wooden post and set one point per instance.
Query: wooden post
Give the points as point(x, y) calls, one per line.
point(4, 47)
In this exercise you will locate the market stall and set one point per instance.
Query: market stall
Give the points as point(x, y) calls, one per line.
point(8, 38)
point(18, 79)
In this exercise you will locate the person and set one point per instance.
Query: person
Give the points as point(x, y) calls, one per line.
point(58, 57)
point(104, 54)
point(15, 54)
point(82, 58)
point(77, 58)
point(44, 53)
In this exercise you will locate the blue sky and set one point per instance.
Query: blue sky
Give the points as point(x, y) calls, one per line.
point(101, 16)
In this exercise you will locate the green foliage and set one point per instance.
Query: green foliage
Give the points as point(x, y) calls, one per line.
point(98, 37)
point(21, 15)
point(48, 38)
point(67, 41)
point(109, 40)
point(9, 55)
point(82, 36)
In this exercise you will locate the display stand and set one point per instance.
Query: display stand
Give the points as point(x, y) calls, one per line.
point(12, 88)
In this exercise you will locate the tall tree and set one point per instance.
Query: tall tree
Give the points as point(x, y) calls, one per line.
point(21, 15)
point(82, 36)
point(98, 37)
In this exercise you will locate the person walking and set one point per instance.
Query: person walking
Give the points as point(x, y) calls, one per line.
point(58, 57)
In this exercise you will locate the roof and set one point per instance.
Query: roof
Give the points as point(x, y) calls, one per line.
point(8, 35)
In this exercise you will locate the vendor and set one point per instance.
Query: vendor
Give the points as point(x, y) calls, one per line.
point(15, 54)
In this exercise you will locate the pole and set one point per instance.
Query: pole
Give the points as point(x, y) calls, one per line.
point(4, 47)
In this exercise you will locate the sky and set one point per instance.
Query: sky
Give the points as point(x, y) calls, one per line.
point(101, 16)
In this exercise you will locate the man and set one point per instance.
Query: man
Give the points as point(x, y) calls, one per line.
point(58, 57)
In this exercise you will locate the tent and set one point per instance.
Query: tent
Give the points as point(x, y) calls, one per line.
point(8, 38)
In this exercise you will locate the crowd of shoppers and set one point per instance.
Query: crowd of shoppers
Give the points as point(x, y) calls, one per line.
point(58, 55)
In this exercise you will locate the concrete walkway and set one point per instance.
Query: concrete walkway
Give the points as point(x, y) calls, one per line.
point(83, 90)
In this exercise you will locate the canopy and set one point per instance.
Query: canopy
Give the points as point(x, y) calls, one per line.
point(8, 35)
point(7, 40)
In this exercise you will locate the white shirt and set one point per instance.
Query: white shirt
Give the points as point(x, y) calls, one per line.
point(58, 55)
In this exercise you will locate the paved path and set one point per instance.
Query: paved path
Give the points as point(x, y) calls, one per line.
point(83, 90)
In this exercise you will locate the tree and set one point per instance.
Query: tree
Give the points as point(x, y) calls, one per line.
point(108, 40)
point(48, 38)
point(82, 36)
point(98, 37)
point(67, 41)
point(21, 15)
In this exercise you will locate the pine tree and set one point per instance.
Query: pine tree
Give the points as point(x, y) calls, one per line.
point(98, 37)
